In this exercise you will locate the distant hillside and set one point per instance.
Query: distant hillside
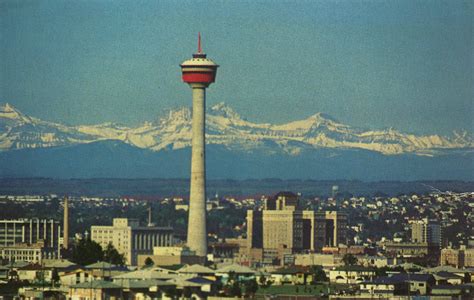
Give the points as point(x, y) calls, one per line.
point(153, 189)
point(115, 159)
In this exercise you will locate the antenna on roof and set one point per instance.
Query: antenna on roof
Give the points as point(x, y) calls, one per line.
point(199, 43)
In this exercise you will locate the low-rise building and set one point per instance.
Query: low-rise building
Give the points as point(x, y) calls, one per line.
point(34, 273)
point(398, 284)
point(459, 258)
point(444, 277)
point(351, 274)
point(97, 290)
point(32, 253)
point(292, 275)
point(374, 261)
point(407, 249)
point(325, 260)
point(419, 284)
point(383, 287)
point(167, 256)
point(241, 272)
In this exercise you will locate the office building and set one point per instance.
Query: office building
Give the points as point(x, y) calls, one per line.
point(19, 234)
point(426, 231)
point(330, 229)
point(281, 228)
point(131, 239)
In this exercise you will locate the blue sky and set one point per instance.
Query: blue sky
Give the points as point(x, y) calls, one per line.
point(375, 64)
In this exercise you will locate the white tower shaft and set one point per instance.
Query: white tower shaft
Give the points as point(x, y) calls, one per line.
point(197, 233)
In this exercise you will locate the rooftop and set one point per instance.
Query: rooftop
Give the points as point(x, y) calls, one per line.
point(196, 269)
point(238, 269)
point(98, 284)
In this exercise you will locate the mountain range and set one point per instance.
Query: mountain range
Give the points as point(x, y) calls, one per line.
point(315, 147)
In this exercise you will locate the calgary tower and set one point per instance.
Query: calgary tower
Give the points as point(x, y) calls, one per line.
point(199, 72)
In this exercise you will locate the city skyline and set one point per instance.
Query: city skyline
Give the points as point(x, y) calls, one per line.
point(95, 62)
point(333, 157)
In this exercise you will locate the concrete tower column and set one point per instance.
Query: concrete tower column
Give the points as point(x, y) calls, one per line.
point(197, 234)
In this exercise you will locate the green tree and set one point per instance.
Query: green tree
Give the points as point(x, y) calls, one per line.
point(149, 262)
point(233, 287)
point(13, 276)
point(112, 256)
point(54, 277)
point(265, 283)
point(172, 292)
point(349, 260)
point(86, 252)
point(187, 293)
point(235, 290)
point(251, 287)
point(318, 274)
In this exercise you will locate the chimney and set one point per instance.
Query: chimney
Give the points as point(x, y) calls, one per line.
point(149, 216)
point(66, 224)
point(150, 223)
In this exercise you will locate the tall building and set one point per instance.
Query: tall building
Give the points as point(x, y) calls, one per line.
point(282, 228)
point(199, 72)
point(19, 234)
point(426, 231)
point(331, 229)
point(130, 239)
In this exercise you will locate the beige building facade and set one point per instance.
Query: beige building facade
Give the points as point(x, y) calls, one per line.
point(131, 239)
point(32, 253)
point(168, 256)
point(459, 258)
point(281, 228)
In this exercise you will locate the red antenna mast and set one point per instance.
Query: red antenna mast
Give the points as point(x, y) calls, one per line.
point(199, 43)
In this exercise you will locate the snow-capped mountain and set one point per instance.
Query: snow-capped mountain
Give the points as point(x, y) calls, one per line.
point(18, 131)
point(224, 127)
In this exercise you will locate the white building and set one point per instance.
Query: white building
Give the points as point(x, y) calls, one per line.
point(351, 275)
point(130, 239)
